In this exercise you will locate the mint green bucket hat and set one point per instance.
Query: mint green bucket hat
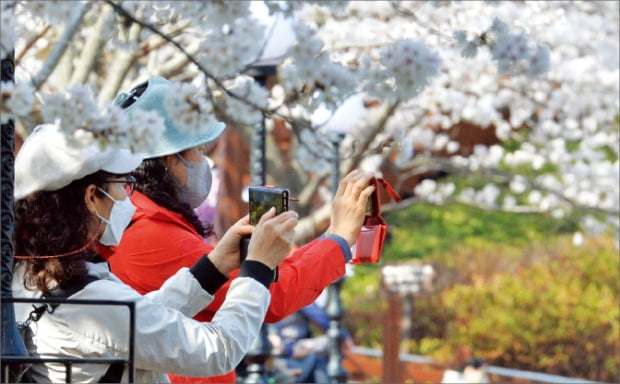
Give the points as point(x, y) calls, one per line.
point(172, 140)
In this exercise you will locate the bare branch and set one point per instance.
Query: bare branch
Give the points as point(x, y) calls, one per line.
point(309, 190)
point(178, 46)
point(190, 57)
point(122, 62)
point(61, 46)
point(31, 43)
point(387, 110)
point(310, 226)
point(92, 48)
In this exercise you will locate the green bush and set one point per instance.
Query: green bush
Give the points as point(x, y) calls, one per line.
point(557, 315)
point(421, 231)
point(510, 287)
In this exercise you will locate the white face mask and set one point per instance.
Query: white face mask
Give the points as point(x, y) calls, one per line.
point(120, 216)
point(198, 182)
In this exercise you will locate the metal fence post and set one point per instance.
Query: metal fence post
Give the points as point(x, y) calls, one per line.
point(12, 343)
point(335, 309)
point(258, 162)
point(256, 358)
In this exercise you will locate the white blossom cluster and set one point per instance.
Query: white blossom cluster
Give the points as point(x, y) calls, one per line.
point(309, 69)
point(77, 114)
point(315, 152)
point(514, 52)
point(291, 8)
point(189, 107)
point(564, 119)
point(225, 52)
point(209, 14)
point(408, 67)
point(433, 192)
point(542, 76)
point(247, 101)
point(214, 14)
point(17, 100)
point(225, 30)
point(18, 19)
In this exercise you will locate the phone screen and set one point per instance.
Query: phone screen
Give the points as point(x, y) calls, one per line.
point(263, 198)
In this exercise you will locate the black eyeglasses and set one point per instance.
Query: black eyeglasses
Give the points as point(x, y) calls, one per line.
point(129, 181)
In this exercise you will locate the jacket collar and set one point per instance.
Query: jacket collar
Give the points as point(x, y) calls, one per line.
point(99, 270)
point(148, 209)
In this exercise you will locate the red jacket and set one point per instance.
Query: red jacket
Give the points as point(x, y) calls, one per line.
point(159, 242)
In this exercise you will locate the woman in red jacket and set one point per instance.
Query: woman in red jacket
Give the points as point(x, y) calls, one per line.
point(165, 234)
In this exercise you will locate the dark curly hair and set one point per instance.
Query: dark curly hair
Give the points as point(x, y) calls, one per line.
point(54, 223)
point(159, 185)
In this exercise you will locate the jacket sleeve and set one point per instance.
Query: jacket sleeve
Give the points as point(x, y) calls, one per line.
point(302, 277)
point(167, 341)
point(153, 250)
point(174, 294)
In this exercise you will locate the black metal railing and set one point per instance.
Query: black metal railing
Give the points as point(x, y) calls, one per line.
point(68, 362)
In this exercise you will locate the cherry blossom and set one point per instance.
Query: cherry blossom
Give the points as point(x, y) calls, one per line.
point(540, 77)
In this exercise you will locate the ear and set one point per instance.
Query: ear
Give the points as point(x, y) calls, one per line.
point(90, 198)
point(170, 161)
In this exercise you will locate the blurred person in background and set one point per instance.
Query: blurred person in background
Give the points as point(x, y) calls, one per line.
point(300, 350)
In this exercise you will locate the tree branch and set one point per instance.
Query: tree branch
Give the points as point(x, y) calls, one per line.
point(190, 57)
point(61, 46)
point(121, 64)
point(178, 46)
point(364, 144)
point(92, 48)
point(31, 43)
point(309, 227)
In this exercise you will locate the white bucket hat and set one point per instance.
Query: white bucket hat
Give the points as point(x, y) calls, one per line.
point(47, 162)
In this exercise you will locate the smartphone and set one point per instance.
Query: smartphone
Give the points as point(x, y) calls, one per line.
point(263, 198)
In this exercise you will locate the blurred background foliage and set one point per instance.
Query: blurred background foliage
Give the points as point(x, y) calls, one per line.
point(510, 288)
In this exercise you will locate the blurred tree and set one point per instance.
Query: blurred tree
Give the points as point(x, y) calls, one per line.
point(559, 314)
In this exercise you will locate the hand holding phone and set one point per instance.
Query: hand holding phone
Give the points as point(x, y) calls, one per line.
point(261, 199)
point(272, 238)
point(355, 199)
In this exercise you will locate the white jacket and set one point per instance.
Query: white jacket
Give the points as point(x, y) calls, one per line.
point(166, 338)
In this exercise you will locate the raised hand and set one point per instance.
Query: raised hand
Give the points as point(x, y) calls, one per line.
point(349, 205)
point(226, 256)
point(272, 238)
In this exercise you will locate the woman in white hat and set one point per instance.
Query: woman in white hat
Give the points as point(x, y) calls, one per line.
point(167, 235)
point(69, 199)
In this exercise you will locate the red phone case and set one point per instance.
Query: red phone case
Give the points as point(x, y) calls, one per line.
point(370, 240)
